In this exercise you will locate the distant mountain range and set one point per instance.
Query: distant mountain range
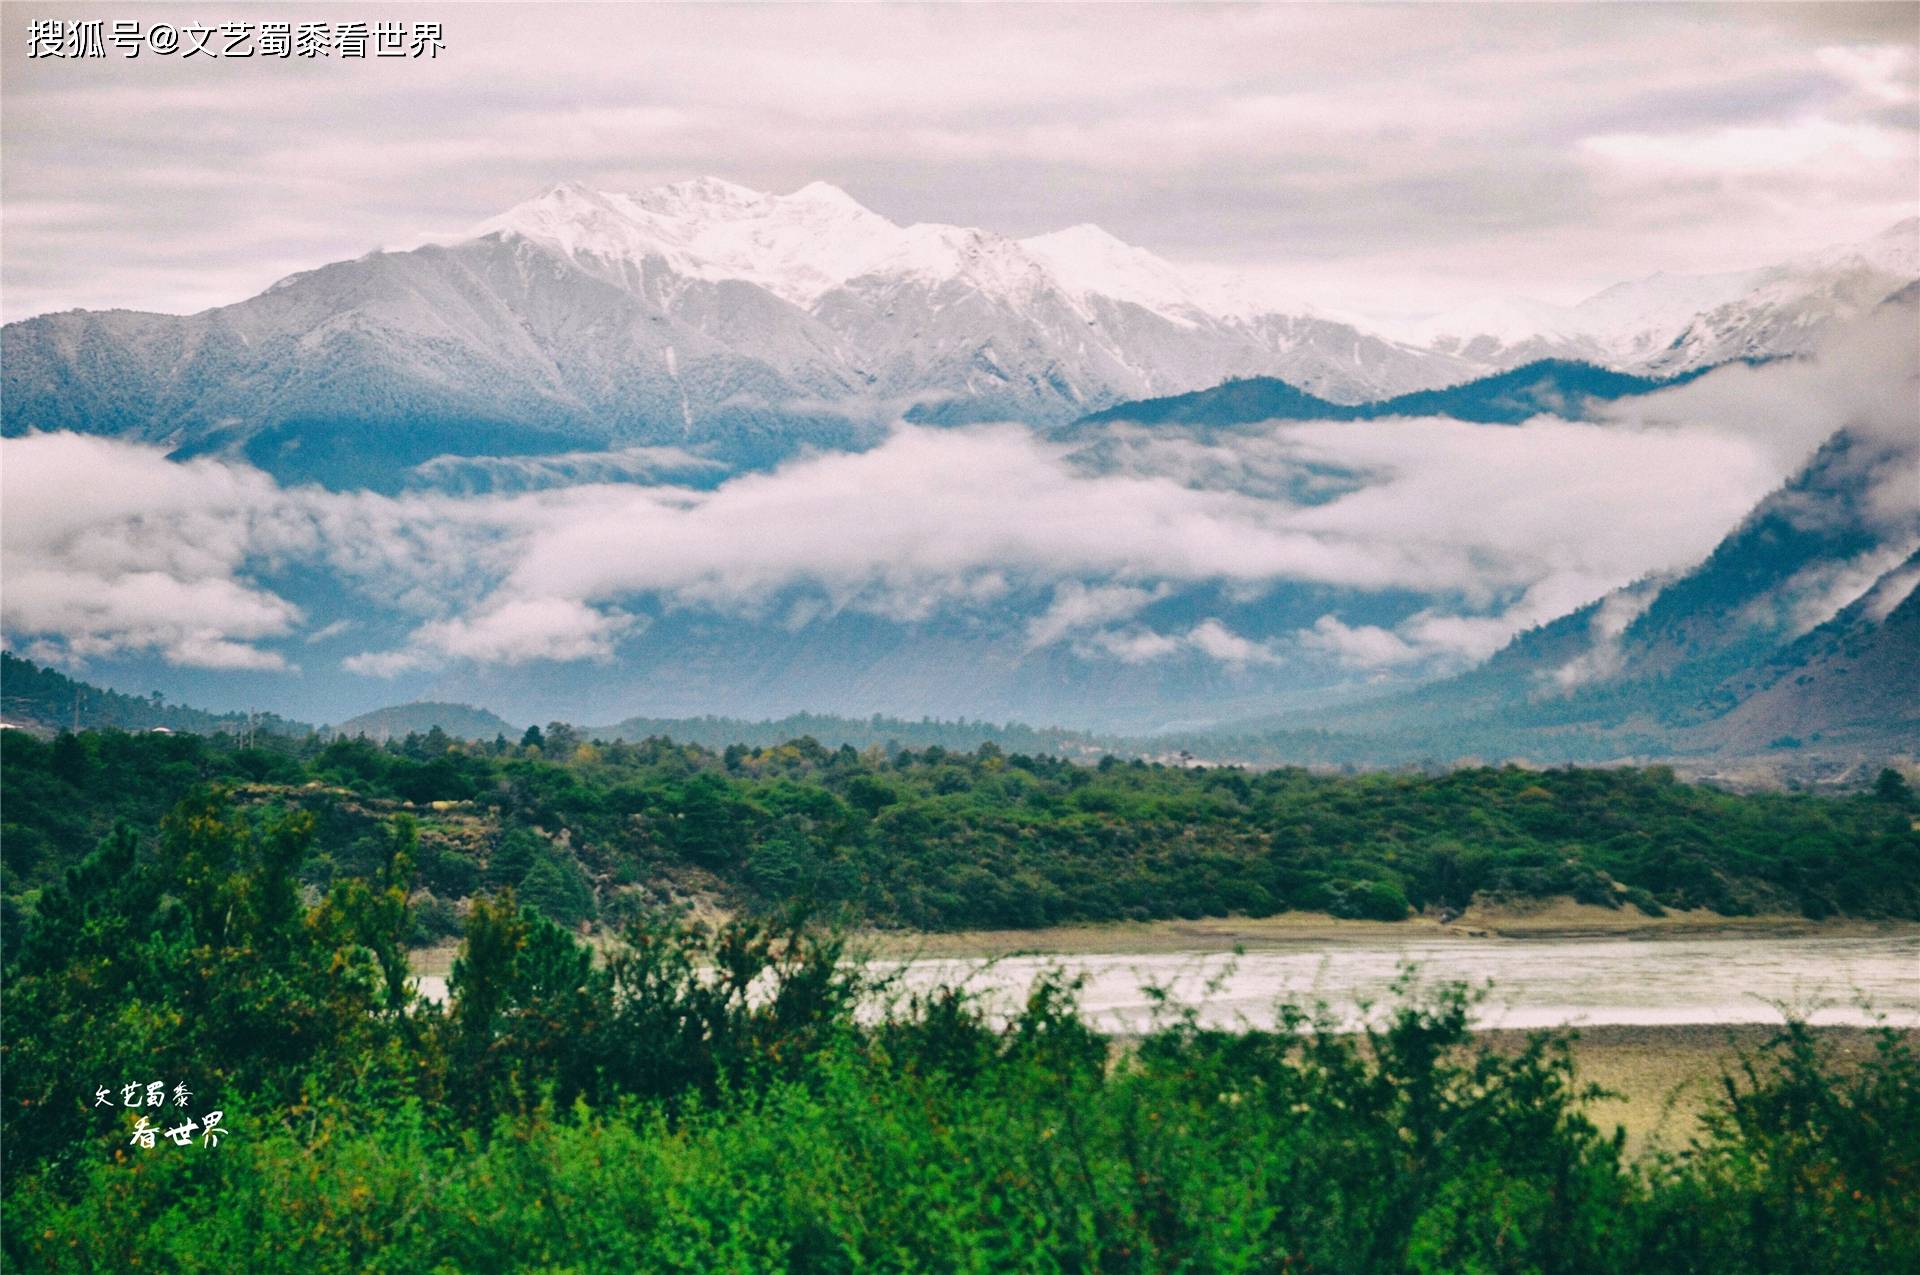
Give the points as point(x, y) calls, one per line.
point(43, 701)
point(703, 314)
point(679, 335)
point(1668, 323)
point(1797, 633)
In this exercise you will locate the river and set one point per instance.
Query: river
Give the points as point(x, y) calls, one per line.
point(1535, 982)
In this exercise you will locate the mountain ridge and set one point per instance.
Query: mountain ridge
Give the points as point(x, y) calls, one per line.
point(1560, 387)
point(708, 314)
point(1773, 642)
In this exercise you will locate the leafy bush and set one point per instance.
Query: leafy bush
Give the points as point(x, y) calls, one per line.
point(712, 1100)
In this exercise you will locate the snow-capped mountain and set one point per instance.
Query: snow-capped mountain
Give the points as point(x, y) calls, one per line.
point(805, 245)
point(1670, 323)
point(704, 313)
point(699, 313)
point(965, 321)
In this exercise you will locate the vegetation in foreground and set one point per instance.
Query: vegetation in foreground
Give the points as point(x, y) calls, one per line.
point(588, 832)
point(712, 1101)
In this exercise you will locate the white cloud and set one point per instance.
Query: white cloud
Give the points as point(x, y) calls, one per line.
point(1366, 646)
point(1820, 591)
point(109, 547)
point(936, 515)
point(1209, 638)
point(115, 540)
point(1076, 606)
point(1216, 641)
point(1808, 145)
point(1130, 646)
point(1891, 592)
point(327, 632)
point(1883, 74)
point(513, 632)
point(1602, 659)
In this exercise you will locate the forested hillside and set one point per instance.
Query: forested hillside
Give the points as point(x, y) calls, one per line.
point(43, 700)
point(1556, 387)
point(462, 721)
point(934, 839)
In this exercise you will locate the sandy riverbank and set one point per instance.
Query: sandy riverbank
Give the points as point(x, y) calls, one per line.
point(1552, 919)
point(1546, 920)
point(1664, 1077)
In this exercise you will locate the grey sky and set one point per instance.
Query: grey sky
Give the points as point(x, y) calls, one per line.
point(1384, 158)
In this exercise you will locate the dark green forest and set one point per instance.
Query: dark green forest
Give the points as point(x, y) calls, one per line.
point(704, 1100)
point(601, 832)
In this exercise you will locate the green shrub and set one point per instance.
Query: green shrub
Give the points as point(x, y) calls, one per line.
point(711, 1100)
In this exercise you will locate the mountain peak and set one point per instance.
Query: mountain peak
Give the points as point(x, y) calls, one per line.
point(804, 244)
point(797, 246)
point(563, 199)
point(1897, 248)
point(1086, 235)
point(1089, 260)
point(826, 194)
point(715, 191)
point(566, 190)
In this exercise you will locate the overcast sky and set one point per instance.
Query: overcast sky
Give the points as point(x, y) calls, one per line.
point(1385, 159)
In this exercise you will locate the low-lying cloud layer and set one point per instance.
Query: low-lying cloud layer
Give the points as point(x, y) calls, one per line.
point(111, 548)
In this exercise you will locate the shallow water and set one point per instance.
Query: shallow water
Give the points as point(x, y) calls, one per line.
point(1536, 982)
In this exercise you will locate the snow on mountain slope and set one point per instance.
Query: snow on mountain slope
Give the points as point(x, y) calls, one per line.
point(1792, 304)
point(703, 312)
point(1668, 323)
point(1088, 261)
point(795, 246)
point(803, 245)
point(696, 313)
point(1046, 326)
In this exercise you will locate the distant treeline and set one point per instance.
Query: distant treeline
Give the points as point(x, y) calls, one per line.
point(936, 839)
point(41, 698)
point(47, 701)
point(877, 731)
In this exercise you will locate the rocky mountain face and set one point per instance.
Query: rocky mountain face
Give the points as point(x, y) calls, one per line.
point(1800, 630)
point(1852, 676)
point(745, 324)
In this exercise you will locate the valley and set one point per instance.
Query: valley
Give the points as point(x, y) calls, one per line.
point(944, 639)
